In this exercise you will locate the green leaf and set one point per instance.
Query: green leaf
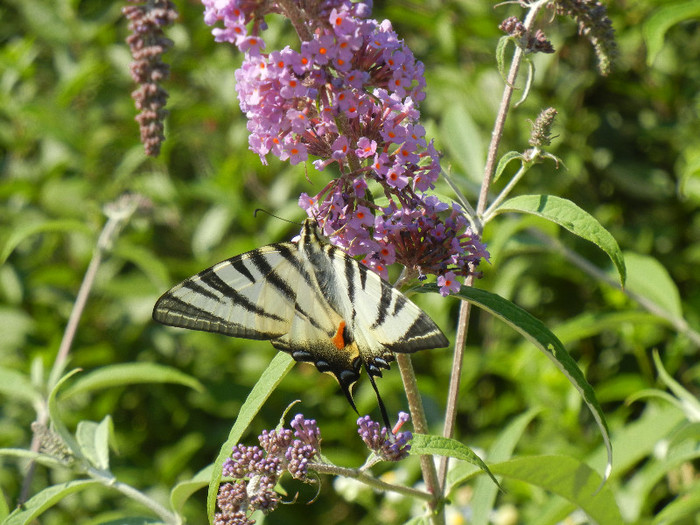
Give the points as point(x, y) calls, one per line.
point(570, 479)
point(130, 374)
point(425, 444)
point(485, 492)
point(566, 214)
point(270, 378)
point(633, 444)
point(145, 260)
point(43, 459)
point(93, 439)
point(689, 431)
point(183, 490)
point(16, 385)
point(501, 55)
point(4, 508)
point(499, 451)
point(504, 161)
point(463, 140)
point(538, 334)
point(648, 278)
point(689, 403)
point(655, 28)
point(55, 416)
point(46, 499)
point(215, 223)
point(684, 509)
point(22, 232)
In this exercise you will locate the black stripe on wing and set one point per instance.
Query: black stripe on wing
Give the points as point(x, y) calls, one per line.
point(210, 278)
point(270, 276)
point(384, 303)
point(173, 311)
point(423, 334)
point(241, 268)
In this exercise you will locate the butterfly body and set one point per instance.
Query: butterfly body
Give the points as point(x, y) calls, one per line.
point(311, 300)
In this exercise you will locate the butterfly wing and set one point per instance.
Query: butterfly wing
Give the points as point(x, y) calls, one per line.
point(268, 293)
point(384, 320)
point(233, 296)
point(311, 300)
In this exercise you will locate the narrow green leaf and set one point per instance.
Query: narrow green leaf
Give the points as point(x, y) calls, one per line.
point(130, 374)
point(501, 55)
point(426, 444)
point(16, 385)
point(689, 403)
point(462, 139)
point(655, 28)
point(270, 378)
point(4, 507)
point(689, 431)
point(653, 393)
point(43, 459)
point(648, 277)
point(684, 509)
point(633, 443)
point(46, 499)
point(183, 490)
point(145, 260)
point(211, 228)
point(485, 492)
point(570, 479)
point(55, 416)
point(22, 232)
point(537, 333)
point(528, 81)
point(566, 214)
point(640, 487)
point(501, 450)
point(504, 161)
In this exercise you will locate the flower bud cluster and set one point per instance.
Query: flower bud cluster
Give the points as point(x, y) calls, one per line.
point(541, 134)
point(257, 470)
point(533, 42)
point(348, 97)
point(594, 23)
point(390, 445)
point(147, 43)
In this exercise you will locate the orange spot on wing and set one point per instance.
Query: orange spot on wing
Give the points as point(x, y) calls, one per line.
point(338, 339)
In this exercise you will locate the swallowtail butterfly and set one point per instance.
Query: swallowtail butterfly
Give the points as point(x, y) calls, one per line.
point(309, 299)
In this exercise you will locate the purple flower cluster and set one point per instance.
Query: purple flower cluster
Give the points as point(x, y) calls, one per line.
point(257, 470)
point(348, 97)
point(388, 445)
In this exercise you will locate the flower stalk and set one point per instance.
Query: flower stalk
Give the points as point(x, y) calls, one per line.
point(489, 169)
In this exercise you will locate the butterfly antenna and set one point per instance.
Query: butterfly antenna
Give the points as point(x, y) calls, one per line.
point(255, 214)
point(382, 408)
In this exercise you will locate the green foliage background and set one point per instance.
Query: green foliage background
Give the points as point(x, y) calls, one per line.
point(631, 157)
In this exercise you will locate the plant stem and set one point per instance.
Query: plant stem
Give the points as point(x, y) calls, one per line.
point(420, 425)
point(107, 479)
point(506, 191)
point(297, 18)
point(118, 213)
point(489, 170)
point(359, 475)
